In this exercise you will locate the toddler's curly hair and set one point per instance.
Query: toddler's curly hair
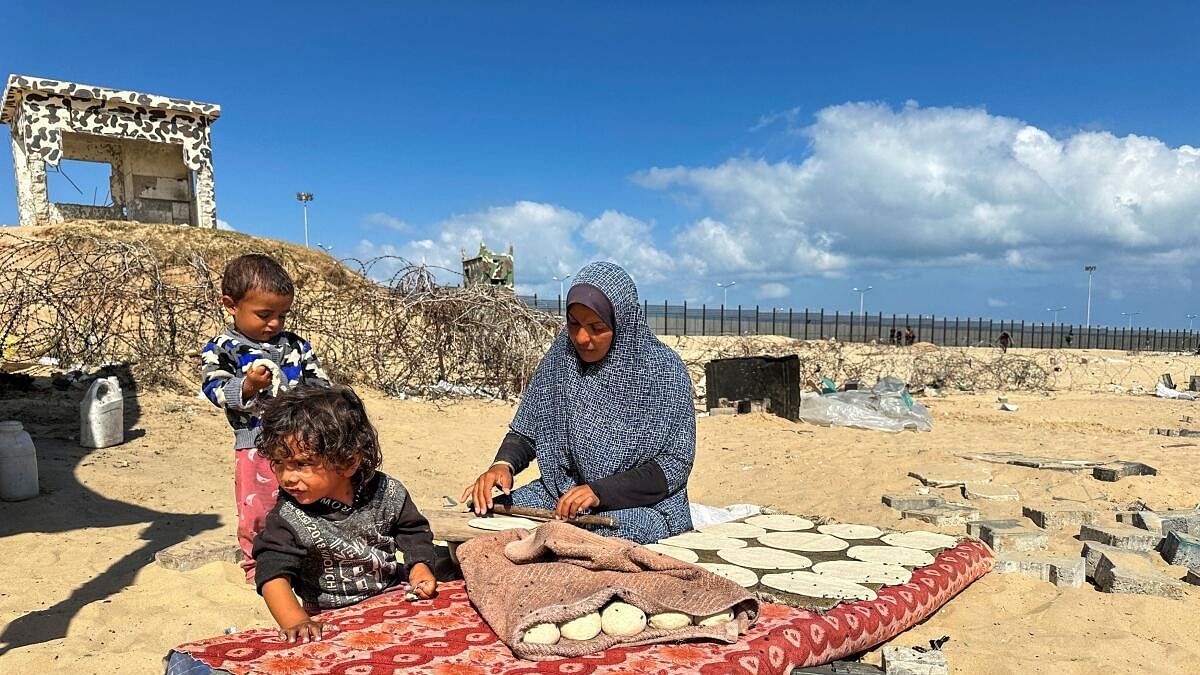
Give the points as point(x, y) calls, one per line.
point(329, 422)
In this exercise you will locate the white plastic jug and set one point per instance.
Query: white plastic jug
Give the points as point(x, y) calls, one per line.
point(18, 463)
point(102, 414)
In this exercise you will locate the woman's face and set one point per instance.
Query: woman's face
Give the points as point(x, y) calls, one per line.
point(590, 335)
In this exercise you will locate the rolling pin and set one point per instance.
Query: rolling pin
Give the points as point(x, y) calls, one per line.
point(547, 514)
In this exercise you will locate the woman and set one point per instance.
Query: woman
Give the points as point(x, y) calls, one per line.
point(608, 416)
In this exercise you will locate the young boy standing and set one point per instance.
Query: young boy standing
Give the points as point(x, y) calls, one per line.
point(341, 531)
point(251, 362)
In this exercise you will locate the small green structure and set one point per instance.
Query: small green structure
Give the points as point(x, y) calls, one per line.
point(492, 269)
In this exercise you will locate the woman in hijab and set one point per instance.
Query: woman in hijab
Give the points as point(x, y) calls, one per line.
point(608, 416)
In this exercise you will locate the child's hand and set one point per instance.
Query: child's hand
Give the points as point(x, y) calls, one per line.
point(258, 378)
point(420, 577)
point(305, 630)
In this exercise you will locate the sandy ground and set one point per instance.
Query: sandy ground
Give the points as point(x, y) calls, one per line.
point(80, 593)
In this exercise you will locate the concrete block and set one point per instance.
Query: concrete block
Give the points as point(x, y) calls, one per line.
point(1126, 518)
point(1148, 520)
point(905, 661)
point(907, 502)
point(1058, 517)
point(944, 515)
point(951, 475)
point(194, 553)
point(991, 492)
point(1063, 571)
point(1121, 536)
point(1015, 539)
point(1130, 573)
point(1182, 549)
point(1193, 577)
point(1092, 550)
point(1115, 471)
point(722, 411)
point(975, 527)
point(1184, 521)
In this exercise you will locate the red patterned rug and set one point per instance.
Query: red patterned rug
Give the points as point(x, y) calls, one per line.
point(445, 636)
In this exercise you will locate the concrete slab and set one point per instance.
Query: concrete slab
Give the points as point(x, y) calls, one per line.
point(1182, 549)
point(1115, 471)
point(907, 502)
point(975, 527)
point(1058, 517)
point(1062, 571)
point(1126, 573)
point(1185, 521)
point(906, 661)
point(1193, 577)
point(996, 492)
point(194, 553)
point(1092, 550)
point(944, 515)
point(951, 475)
point(1121, 536)
point(1015, 539)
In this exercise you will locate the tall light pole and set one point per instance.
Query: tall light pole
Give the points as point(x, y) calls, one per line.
point(861, 292)
point(1090, 269)
point(328, 249)
point(1055, 311)
point(1130, 315)
point(1189, 318)
point(561, 298)
point(304, 198)
point(725, 302)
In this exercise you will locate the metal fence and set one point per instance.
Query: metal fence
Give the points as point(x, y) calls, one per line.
point(815, 324)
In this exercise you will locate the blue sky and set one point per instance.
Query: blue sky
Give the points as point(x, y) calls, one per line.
point(960, 160)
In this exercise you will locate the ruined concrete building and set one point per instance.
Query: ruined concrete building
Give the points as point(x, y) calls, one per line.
point(159, 149)
point(488, 268)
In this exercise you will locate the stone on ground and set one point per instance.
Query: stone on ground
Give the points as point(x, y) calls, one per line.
point(1182, 549)
point(1121, 536)
point(996, 492)
point(944, 475)
point(905, 661)
point(908, 502)
point(1193, 577)
point(1060, 570)
point(1092, 550)
point(1056, 517)
point(1115, 471)
point(1014, 539)
point(943, 515)
point(194, 553)
point(1131, 573)
point(975, 527)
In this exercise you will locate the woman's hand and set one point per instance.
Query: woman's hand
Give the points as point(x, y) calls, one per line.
point(480, 492)
point(305, 630)
point(578, 498)
point(423, 583)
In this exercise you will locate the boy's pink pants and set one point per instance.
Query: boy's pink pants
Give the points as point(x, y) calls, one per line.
point(256, 489)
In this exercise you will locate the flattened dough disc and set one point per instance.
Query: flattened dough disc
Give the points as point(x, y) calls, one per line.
point(738, 575)
point(684, 554)
point(780, 522)
point(845, 531)
point(859, 572)
point(700, 541)
point(817, 586)
point(926, 541)
point(764, 558)
point(502, 523)
point(802, 541)
point(736, 530)
point(895, 555)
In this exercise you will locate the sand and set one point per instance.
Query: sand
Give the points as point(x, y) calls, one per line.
point(81, 594)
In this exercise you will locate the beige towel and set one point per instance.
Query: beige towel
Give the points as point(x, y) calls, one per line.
point(517, 579)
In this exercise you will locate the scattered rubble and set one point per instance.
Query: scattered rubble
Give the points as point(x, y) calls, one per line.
point(1014, 539)
point(909, 502)
point(907, 661)
point(951, 476)
point(996, 492)
point(943, 515)
point(1115, 471)
point(1182, 549)
point(1122, 572)
point(1058, 517)
point(1062, 571)
point(1121, 536)
point(193, 553)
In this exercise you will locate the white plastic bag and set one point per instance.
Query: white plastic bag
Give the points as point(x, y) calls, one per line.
point(885, 407)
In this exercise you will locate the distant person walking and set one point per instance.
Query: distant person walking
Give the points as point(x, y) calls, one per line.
point(1069, 336)
point(909, 336)
point(1005, 342)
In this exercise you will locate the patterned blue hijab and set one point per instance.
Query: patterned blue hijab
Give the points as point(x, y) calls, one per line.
point(590, 421)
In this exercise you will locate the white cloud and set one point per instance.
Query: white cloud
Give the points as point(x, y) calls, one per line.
point(387, 220)
point(773, 290)
point(938, 186)
point(224, 225)
point(996, 302)
point(627, 241)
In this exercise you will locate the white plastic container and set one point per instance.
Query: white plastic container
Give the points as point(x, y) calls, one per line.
point(18, 463)
point(102, 414)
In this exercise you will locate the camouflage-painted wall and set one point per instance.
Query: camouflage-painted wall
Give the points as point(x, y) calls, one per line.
point(40, 112)
point(495, 269)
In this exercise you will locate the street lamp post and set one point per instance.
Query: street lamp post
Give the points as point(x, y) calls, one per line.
point(304, 198)
point(1054, 311)
point(328, 249)
point(560, 289)
point(1130, 316)
point(1189, 318)
point(861, 292)
point(1090, 269)
point(725, 287)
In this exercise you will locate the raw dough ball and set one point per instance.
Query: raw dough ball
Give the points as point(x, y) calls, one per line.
point(622, 619)
point(541, 634)
point(585, 627)
point(718, 619)
point(670, 620)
